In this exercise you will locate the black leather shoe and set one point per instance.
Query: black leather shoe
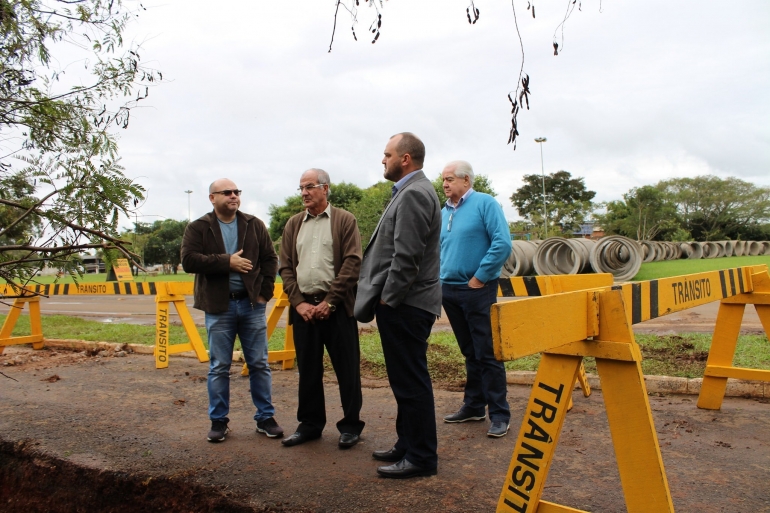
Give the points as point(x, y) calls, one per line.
point(299, 438)
point(348, 440)
point(403, 469)
point(392, 455)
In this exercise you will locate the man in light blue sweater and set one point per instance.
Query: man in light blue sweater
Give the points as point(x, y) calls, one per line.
point(475, 243)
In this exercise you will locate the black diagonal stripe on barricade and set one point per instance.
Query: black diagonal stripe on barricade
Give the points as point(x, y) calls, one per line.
point(722, 282)
point(533, 289)
point(116, 288)
point(152, 288)
point(654, 299)
point(636, 303)
point(740, 280)
point(506, 287)
point(127, 289)
point(67, 289)
point(140, 288)
point(732, 282)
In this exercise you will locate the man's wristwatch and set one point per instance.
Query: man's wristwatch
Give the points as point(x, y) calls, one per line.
point(331, 307)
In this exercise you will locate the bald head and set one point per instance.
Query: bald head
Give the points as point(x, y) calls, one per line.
point(225, 205)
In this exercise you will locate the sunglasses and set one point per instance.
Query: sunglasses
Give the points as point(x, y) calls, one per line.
point(228, 192)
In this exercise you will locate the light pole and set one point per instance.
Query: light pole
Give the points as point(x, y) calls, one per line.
point(188, 205)
point(540, 141)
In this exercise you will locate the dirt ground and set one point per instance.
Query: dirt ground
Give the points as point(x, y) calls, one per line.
point(82, 432)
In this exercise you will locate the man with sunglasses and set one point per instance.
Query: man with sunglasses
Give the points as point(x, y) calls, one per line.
point(320, 261)
point(234, 263)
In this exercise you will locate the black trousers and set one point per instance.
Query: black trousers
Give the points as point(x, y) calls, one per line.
point(339, 334)
point(404, 333)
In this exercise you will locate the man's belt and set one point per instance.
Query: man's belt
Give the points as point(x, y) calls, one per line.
point(239, 295)
point(315, 298)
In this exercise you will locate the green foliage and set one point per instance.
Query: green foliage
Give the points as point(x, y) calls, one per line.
point(66, 164)
point(164, 244)
point(700, 208)
point(343, 195)
point(280, 215)
point(712, 208)
point(568, 202)
point(645, 213)
point(369, 209)
point(481, 183)
point(26, 228)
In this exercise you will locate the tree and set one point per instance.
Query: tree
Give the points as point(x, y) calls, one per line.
point(56, 131)
point(645, 213)
point(481, 183)
point(164, 245)
point(369, 209)
point(713, 208)
point(568, 201)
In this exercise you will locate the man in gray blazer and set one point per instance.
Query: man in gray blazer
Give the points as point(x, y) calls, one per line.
point(399, 284)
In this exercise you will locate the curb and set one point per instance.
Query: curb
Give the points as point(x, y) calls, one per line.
point(654, 384)
point(663, 384)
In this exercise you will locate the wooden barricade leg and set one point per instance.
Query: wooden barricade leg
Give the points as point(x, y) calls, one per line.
point(163, 347)
point(637, 451)
point(161, 332)
point(192, 332)
point(723, 344)
point(36, 333)
point(645, 485)
point(539, 434)
point(288, 353)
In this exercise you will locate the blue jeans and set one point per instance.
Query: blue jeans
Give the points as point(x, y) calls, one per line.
point(468, 311)
point(249, 323)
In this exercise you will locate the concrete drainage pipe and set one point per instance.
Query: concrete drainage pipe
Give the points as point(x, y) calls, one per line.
point(711, 249)
point(558, 255)
point(520, 261)
point(618, 255)
point(754, 248)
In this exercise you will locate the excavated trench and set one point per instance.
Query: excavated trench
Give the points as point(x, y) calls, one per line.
point(31, 481)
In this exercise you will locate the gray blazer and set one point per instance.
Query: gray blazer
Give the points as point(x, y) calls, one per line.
point(401, 262)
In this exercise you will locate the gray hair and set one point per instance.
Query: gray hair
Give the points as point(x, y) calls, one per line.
point(462, 169)
point(323, 177)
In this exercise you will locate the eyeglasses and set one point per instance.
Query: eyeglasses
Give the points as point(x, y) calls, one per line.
point(308, 187)
point(228, 192)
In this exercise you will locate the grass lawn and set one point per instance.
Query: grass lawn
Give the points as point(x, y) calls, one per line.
point(672, 355)
point(664, 269)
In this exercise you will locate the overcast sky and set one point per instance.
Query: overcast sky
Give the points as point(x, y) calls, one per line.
point(641, 91)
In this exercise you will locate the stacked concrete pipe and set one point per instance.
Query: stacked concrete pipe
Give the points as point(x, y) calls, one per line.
point(520, 263)
point(618, 255)
point(557, 255)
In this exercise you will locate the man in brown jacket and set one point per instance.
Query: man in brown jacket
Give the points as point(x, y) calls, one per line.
point(320, 260)
point(235, 265)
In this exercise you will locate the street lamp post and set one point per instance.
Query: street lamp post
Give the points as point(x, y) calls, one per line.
point(540, 141)
point(189, 218)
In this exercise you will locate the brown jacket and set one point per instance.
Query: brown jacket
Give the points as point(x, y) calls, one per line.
point(203, 253)
point(346, 246)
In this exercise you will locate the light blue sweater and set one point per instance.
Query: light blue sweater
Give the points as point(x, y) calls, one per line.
point(478, 243)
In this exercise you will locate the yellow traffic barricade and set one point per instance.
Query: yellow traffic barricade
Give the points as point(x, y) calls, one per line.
point(597, 323)
point(167, 295)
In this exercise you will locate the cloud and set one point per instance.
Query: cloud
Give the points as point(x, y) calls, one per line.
point(640, 92)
